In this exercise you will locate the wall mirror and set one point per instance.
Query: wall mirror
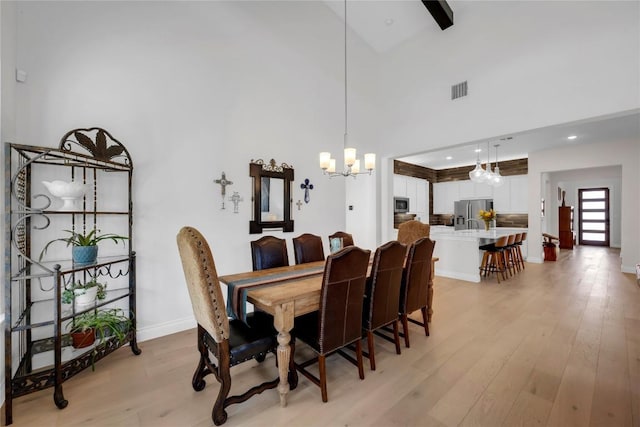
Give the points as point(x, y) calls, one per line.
point(271, 196)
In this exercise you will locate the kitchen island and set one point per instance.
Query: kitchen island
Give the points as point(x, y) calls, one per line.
point(459, 250)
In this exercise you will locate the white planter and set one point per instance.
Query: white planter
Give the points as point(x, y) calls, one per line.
point(85, 298)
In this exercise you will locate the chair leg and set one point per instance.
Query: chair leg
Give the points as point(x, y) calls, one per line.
point(424, 319)
point(396, 336)
point(293, 373)
point(405, 328)
point(198, 381)
point(322, 371)
point(370, 345)
point(359, 355)
point(219, 415)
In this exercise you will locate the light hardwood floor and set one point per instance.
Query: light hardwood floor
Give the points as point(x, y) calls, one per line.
point(558, 344)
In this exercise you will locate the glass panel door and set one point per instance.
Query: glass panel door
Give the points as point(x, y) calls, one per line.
point(593, 211)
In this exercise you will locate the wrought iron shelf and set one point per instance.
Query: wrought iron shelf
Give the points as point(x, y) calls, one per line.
point(103, 266)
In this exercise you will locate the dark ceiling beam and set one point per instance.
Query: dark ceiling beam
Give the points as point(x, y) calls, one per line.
point(440, 11)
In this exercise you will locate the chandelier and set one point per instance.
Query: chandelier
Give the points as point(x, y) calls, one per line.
point(351, 162)
point(481, 175)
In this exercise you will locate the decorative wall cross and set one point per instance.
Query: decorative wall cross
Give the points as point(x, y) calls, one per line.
point(298, 204)
point(223, 182)
point(236, 199)
point(306, 187)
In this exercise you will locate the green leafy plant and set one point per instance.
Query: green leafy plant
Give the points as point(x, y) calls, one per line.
point(78, 239)
point(106, 323)
point(70, 292)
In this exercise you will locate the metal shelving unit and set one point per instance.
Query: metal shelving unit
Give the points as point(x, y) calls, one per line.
point(38, 354)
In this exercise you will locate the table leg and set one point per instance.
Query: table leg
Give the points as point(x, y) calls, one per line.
point(283, 322)
point(430, 290)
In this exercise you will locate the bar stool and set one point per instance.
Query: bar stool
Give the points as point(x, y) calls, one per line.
point(514, 261)
point(493, 260)
point(507, 254)
point(523, 237)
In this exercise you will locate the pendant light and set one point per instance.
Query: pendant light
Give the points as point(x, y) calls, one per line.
point(351, 162)
point(496, 179)
point(488, 175)
point(477, 174)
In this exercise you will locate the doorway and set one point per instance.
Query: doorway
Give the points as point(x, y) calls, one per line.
point(593, 216)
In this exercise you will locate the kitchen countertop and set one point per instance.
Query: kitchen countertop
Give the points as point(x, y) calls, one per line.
point(449, 233)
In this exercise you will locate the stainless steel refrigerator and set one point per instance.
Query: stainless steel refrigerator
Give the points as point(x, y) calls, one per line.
point(466, 213)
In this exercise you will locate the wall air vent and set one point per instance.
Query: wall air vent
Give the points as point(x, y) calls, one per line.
point(459, 90)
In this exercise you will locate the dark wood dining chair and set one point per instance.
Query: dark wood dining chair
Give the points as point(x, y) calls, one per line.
point(414, 291)
point(230, 341)
point(410, 231)
point(269, 252)
point(347, 239)
point(308, 248)
point(382, 294)
point(338, 322)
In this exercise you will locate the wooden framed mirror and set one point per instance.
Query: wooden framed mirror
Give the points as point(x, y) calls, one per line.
point(271, 196)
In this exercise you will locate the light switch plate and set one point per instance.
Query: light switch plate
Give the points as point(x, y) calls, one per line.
point(21, 76)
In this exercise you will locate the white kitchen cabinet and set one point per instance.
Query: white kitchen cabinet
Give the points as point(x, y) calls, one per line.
point(399, 186)
point(422, 200)
point(471, 190)
point(512, 196)
point(444, 194)
point(411, 193)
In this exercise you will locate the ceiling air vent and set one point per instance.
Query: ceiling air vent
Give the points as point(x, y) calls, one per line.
point(459, 90)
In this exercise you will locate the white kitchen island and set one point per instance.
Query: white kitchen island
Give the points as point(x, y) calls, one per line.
point(459, 253)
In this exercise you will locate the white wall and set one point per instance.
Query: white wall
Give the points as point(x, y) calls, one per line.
point(529, 64)
point(193, 89)
point(589, 156)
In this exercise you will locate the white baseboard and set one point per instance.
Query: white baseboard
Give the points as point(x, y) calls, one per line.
point(535, 260)
point(167, 328)
point(628, 269)
point(457, 275)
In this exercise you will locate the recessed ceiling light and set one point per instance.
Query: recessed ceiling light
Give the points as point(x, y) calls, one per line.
point(572, 137)
point(388, 21)
point(449, 157)
point(478, 150)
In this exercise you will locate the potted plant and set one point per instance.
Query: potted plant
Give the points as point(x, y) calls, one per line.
point(100, 325)
point(84, 294)
point(85, 246)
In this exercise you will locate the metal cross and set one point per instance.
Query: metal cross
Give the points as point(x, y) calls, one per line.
point(236, 199)
point(298, 203)
point(223, 182)
point(306, 187)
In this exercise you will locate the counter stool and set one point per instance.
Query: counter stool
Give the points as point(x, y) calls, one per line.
point(513, 262)
point(508, 258)
point(493, 260)
point(519, 250)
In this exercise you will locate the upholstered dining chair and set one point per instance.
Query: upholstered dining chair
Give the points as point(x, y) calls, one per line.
point(414, 290)
point(410, 231)
point(308, 248)
point(230, 341)
point(338, 322)
point(269, 252)
point(347, 239)
point(382, 295)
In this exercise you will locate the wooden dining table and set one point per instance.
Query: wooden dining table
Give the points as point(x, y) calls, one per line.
point(285, 299)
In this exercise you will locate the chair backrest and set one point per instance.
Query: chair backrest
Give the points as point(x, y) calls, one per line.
point(511, 240)
point(524, 236)
point(502, 242)
point(383, 285)
point(414, 290)
point(518, 239)
point(347, 239)
point(269, 252)
point(308, 248)
point(410, 231)
point(341, 297)
point(202, 282)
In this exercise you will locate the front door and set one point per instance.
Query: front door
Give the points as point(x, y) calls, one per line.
point(593, 211)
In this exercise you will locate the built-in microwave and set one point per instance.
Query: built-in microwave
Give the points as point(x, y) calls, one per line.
point(400, 205)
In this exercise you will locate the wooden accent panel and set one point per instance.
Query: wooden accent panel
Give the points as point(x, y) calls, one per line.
point(509, 167)
point(565, 226)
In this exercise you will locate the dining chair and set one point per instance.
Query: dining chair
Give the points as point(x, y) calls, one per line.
point(382, 294)
point(414, 291)
point(231, 342)
point(347, 239)
point(410, 231)
point(338, 322)
point(269, 252)
point(308, 248)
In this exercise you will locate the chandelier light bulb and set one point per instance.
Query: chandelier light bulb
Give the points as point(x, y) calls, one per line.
point(370, 161)
point(325, 158)
point(349, 156)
